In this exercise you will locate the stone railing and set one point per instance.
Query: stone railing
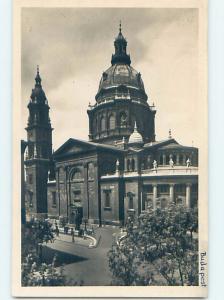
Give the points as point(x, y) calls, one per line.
point(167, 170)
point(160, 171)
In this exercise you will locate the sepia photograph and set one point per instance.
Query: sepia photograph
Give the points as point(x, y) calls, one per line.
point(110, 148)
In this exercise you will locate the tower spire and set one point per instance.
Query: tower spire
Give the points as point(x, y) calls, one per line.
point(120, 45)
point(38, 78)
point(120, 27)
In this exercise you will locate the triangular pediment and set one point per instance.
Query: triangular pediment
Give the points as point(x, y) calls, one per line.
point(73, 146)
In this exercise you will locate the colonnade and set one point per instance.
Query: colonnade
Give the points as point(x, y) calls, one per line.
point(171, 194)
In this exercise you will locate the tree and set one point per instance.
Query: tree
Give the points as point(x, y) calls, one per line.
point(34, 271)
point(160, 249)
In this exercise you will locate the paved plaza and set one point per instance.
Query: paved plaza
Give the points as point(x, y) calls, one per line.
point(87, 262)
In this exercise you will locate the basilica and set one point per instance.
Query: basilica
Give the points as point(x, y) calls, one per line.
point(121, 170)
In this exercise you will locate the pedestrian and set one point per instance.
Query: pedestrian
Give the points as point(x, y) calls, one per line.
point(57, 230)
point(73, 235)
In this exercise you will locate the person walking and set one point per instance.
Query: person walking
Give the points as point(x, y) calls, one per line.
point(73, 235)
point(57, 231)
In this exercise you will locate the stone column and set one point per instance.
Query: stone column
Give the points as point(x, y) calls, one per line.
point(188, 195)
point(58, 190)
point(141, 195)
point(85, 201)
point(66, 169)
point(164, 159)
point(171, 193)
point(125, 164)
point(136, 164)
point(154, 195)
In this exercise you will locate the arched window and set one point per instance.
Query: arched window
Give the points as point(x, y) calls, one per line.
point(181, 159)
point(128, 165)
point(160, 159)
point(131, 202)
point(167, 159)
point(102, 124)
point(95, 125)
point(76, 174)
point(133, 164)
point(112, 122)
point(123, 119)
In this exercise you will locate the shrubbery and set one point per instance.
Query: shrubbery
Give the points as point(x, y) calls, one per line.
point(161, 248)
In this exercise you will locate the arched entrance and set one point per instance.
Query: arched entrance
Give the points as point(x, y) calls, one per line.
point(76, 216)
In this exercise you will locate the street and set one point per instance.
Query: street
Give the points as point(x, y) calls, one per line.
point(89, 265)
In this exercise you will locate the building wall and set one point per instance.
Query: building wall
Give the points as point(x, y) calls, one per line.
point(110, 192)
point(131, 199)
point(52, 200)
point(81, 190)
point(36, 188)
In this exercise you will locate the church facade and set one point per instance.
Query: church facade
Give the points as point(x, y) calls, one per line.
point(121, 170)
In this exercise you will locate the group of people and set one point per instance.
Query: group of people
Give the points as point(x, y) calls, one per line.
point(66, 229)
point(72, 232)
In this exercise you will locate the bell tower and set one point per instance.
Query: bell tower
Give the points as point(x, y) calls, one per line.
point(39, 151)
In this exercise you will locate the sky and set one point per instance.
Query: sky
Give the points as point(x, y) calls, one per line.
point(73, 46)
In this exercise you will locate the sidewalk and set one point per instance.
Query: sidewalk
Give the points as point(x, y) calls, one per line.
point(68, 239)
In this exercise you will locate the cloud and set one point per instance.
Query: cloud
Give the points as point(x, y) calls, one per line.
point(74, 46)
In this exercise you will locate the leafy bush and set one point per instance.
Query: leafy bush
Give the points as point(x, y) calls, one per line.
point(34, 271)
point(161, 248)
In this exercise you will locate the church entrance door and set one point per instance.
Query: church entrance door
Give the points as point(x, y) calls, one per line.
point(76, 217)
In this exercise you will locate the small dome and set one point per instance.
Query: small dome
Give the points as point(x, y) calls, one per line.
point(135, 137)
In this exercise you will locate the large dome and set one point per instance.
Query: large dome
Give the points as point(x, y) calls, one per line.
point(121, 74)
point(121, 78)
point(120, 101)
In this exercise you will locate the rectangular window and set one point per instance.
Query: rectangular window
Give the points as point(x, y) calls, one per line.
point(30, 178)
point(77, 196)
point(107, 198)
point(163, 189)
point(131, 202)
point(130, 198)
point(148, 189)
point(54, 200)
point(30, 198)
point(180, 189)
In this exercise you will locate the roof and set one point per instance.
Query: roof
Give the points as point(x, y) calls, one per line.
point(121, 74)
point(87, 146)
point(169, 143)
point(176, 146)
point(160, 143)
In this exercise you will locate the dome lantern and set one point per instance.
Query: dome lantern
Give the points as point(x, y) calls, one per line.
point(120, 45)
